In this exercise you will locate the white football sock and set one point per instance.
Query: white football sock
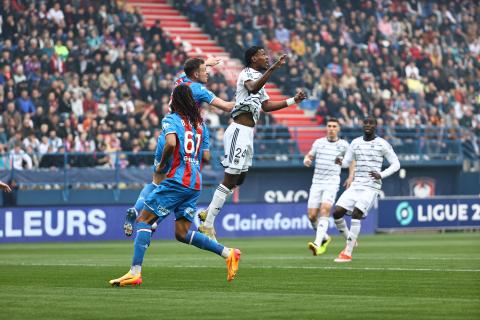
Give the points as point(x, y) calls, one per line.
point(321, 230)
point(342, 227)
point(225, 252)
point(135, 270)
point(218, 200)
point(352, 237)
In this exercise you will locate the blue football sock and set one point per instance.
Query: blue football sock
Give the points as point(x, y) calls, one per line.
point(203, 242)
point(143, 194)
point(142, 241)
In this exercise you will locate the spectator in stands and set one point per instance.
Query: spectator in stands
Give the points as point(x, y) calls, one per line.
point(19, 158)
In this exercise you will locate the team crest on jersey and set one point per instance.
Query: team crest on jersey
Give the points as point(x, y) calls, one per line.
point(162, 210)
point(236, 160)
point(190, 212)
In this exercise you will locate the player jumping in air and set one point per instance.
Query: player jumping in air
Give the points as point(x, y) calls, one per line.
point(186, 140)
point(251, 96)
point(195, 76)
point(325, 182)
point(369, 152)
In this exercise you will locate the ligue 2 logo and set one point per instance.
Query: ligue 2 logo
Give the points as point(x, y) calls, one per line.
point(404, 213)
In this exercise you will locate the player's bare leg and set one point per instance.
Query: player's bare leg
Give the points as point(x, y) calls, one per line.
point(132, 213)
point(322, 240)
point(201, 241)
point(313, 217)
point(346, 254)
point(142, 242)
point(340, 221)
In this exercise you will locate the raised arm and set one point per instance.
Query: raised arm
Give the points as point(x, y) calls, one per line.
point(253, 86)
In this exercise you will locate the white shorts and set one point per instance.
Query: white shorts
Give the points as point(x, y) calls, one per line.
point(321, 194)
point(360, 198)
point(238, 146)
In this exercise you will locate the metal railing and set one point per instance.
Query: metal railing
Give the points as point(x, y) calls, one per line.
point(275, 146)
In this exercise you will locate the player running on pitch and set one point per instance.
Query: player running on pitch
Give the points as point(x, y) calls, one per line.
point(369, 153)
point(325, 182)
point(186, 140)
point(195, 76)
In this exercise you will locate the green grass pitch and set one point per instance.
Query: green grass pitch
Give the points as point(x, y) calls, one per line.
point(408, 276)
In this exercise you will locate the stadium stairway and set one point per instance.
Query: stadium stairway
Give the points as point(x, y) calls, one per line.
point(199, 44)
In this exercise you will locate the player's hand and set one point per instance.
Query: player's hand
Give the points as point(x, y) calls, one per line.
point(338, 161)
point(300, 96)
point(307, 161)
point(375, 175)
point(5, 187)
point(280, 62)
point(212, 61)
point(348, 182)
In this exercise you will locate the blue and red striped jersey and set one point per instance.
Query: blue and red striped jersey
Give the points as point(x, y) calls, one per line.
point(187, 156)
point(200, 94)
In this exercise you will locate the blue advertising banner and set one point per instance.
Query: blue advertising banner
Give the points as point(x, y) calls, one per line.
point(405, 213)
point(90, 223)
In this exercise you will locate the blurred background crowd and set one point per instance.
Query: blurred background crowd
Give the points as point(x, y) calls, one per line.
point(88, 77)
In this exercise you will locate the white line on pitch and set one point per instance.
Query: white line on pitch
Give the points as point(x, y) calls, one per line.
point(251, 266)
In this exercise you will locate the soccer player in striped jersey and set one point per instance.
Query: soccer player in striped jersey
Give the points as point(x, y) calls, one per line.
point(325, 182)
point(251, 96)
point(195, 76)
point(186, 141)
point(369, 153)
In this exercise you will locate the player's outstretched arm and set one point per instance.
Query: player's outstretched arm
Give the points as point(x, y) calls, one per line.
point(223, 105)
point(255, 86)
point(269, 106)
point(212, 61)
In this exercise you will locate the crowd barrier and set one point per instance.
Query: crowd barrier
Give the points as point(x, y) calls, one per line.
point(90, 223)
point(407, 213)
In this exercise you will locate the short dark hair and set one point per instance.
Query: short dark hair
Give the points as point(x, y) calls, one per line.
point(371, 117)
point(250, 53)
point(192, 65)
point(332, 119)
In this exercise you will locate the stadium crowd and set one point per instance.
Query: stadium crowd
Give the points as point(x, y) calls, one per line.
point(410, 63)
point(85, 76)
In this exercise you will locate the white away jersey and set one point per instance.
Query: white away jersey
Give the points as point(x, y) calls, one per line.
point(325, 152)
point(369, 156)
point(246, 102)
